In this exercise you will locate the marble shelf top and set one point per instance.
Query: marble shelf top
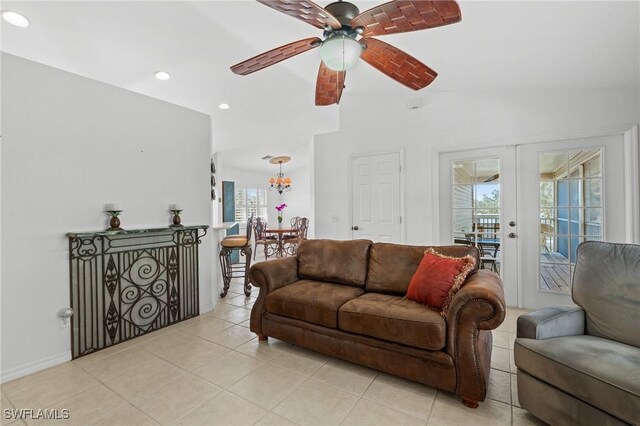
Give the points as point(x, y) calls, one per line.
point(135, 231)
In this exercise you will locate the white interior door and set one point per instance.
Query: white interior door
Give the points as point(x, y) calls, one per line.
point(375, 181)
point(478, 207)
point(568, 192)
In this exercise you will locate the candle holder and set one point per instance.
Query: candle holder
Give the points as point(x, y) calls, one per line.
point(115, 220)
point(176, 218)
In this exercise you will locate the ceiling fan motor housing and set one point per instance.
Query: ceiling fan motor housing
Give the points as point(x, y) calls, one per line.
point(343, 11)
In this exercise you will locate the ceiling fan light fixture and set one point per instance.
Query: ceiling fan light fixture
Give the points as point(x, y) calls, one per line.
point(340, 52)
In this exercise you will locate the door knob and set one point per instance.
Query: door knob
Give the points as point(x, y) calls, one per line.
point(512, 235)
point(512, 223)
point(355, 228)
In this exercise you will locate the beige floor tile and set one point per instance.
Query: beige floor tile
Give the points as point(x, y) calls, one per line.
point(232, 337)
point(127, 415)
point(103, 353)
point(300, 360)
point(267, 385)
point(264, 350)
point(86, 406)
point(500, 359)
point(514, 391)
point(176, 398)
point(524, 418)
point(345, 376)
point(205, 326)
point(272, 419)
point(240, 300)
point(48, 387)
point(118, 363)
point(194, 354)
point(224, 409)
point(227, 369)
point(409, 397)
point(315, 403)
point(449, 410)
point(369, 413)
point(499, 386)
point(220, 308)
point(512, 363)
point(500, 339)
point(512, 340)
point(236, 316)
point(169, 343)
point(245, 323)
point(145, 379)
point(5, 404)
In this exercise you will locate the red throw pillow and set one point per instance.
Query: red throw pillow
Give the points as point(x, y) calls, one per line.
point(438, 278)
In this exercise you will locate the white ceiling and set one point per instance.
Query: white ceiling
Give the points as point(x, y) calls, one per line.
point(498, 45)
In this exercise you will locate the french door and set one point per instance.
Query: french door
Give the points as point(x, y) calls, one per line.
point(527, 208)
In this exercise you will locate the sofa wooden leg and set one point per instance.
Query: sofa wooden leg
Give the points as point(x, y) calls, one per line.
point(470, 402)
point(262, 337)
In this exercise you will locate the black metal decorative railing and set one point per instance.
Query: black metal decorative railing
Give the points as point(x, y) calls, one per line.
point(128, 283)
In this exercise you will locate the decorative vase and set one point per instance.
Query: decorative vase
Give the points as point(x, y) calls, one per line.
point(279, 220)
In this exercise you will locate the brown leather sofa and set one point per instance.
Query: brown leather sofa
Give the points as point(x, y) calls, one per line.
point(346, 299)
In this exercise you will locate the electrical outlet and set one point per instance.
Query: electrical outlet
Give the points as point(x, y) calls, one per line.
point(335, 218)
point(64, 322)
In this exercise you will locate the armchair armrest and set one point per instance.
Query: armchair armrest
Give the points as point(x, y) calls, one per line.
point(478, 307)
point(270, 276)
point(554, 321)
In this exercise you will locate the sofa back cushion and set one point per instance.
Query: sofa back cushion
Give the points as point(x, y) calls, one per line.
point(606, 284)
point(343, 262)
point(391, 266)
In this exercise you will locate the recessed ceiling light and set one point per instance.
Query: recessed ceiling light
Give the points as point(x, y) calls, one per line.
point(15, 18)
point(161, 75)
point(224, 106)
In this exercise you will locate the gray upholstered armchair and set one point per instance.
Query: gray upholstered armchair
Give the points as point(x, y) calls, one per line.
point(580, 365)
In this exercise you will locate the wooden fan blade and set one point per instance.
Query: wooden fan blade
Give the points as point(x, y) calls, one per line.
point(306, 11)
point(397, 64)
point(329, 85)
point(402, 16)
point(275, 55)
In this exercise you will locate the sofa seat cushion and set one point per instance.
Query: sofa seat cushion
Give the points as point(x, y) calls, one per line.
point(603, 373)
point(395, 319)
point(312, 301)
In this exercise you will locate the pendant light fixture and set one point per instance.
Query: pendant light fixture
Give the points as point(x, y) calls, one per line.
point(280, 183)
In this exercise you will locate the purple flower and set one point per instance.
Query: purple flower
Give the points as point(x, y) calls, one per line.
point(281, 207)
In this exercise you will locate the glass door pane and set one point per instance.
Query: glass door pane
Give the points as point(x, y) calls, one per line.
point(476, 208)
point(570, 212)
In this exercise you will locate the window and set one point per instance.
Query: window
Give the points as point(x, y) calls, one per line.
point(251, 201)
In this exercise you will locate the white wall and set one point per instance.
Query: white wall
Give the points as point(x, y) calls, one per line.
point(70, 145)
point(448, 121)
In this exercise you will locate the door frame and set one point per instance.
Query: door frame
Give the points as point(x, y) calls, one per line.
point(401, 194)
point(630, 134)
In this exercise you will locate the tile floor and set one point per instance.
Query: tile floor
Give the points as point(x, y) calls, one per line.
point(211, 370)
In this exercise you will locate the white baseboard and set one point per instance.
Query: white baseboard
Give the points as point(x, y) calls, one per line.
point(206, 308)
point(32, 367)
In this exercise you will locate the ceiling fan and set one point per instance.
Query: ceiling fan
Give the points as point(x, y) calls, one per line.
point(341, 46)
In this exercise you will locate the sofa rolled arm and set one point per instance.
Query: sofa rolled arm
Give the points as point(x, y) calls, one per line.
point(554, 321)
point(476, 309)
point(270, 276)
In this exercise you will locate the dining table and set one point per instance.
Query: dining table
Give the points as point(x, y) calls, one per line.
point(280, 234)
